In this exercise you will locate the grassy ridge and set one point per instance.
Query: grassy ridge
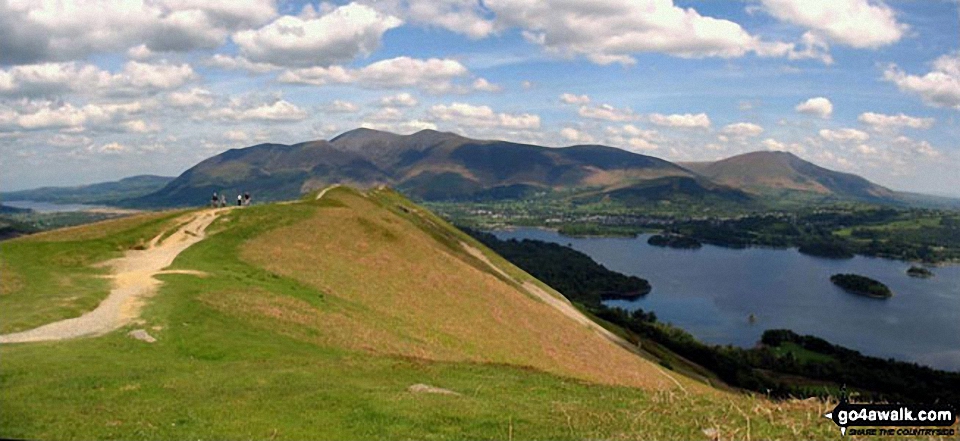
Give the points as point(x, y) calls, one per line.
point(217, 371)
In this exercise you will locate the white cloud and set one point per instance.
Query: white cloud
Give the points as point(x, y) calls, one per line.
point(140, 53)
point(236, 135)
point(48, 115)
point(385, 114)
point(140, 126)
point(844, 135)
point(631, 137)
point(434, 74)
point(239, 63)
point(940, 87)
point(279, 110)
point(32, 31)
point(569, 98)
point(855, 23)
point(467, 115)
point(340, 106)
point(402, 99)
point(686, 120)
point(136, 78)
point(112, 148)
point(401, 127)
point(65, 140)
point(774, 145)
point(336, 37)
point(605, 31)
point(195, 97)
point(573, 135)
point(912, 146)
point(606, 112)
point(483, 85)
point(884, 123)
point(818, 106)
point(866, 150)
point(465, 17)
point(742, 130)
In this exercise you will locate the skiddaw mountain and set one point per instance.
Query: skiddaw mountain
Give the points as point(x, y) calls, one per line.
point(431, 165)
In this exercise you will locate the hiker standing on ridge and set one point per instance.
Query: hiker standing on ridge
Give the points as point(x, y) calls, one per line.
point(214, 200)
point(223, 200)
point(239, 200)
point(246, 198)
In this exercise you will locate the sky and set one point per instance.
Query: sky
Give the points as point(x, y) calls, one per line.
point(99, 90)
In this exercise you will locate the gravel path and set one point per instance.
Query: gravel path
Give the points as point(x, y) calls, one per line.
point(133, 281)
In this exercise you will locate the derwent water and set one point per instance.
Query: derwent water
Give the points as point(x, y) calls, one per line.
point(711, 293)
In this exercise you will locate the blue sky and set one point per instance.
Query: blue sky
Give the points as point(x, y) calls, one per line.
point(107, 89)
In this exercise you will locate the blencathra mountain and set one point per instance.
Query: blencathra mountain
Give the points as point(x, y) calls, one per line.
point(431, 165)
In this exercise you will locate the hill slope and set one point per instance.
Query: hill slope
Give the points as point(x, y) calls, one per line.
point(763, 172)
point(320, 319)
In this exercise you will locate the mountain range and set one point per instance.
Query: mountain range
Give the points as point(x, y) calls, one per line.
point(439, 166)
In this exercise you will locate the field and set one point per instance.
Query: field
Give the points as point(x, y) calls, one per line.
point(274, 343)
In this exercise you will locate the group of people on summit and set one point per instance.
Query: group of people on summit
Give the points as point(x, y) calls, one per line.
point(220, 200)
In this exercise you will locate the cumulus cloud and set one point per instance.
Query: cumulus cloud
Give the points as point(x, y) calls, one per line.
point(32, 32)
point(884, 123)
point(818, 106)
point(482, 85)
point(279, 110)
point(336, 37)
point(140, 126)
point(912, 146)
point(402, 99)
point(742, 130)
point(112, 148)
point(340, 106)
point(433, 75)
point(195, 97)
point(940, 87)
point(465, 17)
point(239, 63)
point(58, 78)
point(604, 31)
point(844, 135)
point(468, 115)
point(774, 145)
point(631, 137)
point(606, 112)
point(54, 115)
point(684, 121)
point(401, 127)
point(569, 98)
point(855, 23)
point(571, 134)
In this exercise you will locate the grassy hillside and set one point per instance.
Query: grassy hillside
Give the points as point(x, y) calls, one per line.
point(315, 319)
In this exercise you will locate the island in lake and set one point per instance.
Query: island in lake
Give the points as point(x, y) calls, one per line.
point(919, 271)
point(674, 241)
point(861, 285)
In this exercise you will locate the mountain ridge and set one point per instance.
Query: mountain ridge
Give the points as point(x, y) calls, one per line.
point(442, 166)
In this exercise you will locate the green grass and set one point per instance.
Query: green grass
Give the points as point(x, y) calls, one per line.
point(213, 375)
point(48, 277)
point(801, 354)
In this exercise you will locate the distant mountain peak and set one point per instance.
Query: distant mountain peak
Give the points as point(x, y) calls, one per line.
point(763, 171)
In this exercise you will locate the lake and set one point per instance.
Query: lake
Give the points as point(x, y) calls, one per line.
point(49, 207)
point(711, 292)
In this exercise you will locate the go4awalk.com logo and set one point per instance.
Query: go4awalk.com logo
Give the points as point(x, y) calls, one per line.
point(893, 419)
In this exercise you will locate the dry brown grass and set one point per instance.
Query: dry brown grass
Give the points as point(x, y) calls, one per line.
point(402, 293)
